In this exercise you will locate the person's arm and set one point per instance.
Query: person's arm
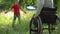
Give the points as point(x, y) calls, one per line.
point(23, 10)
point(9, 9)
point(39, 7)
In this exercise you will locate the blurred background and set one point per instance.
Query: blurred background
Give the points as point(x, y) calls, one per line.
point(6, 19)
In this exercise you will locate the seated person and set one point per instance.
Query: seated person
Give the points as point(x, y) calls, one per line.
point(45, 3)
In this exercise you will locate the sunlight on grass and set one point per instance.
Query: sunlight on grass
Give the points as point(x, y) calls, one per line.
point(7, 19)
point(9, 14)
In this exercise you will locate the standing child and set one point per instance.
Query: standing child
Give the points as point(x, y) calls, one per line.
point(16, 8)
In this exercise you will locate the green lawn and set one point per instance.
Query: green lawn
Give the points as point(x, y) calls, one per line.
point(22, 28)
point(7, 19)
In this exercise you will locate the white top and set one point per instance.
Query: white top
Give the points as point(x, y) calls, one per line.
point(49, 3)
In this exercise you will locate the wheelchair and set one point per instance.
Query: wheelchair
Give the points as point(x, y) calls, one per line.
point(47, 16)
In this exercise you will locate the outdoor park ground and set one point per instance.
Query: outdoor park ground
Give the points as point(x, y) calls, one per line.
point(22, 28)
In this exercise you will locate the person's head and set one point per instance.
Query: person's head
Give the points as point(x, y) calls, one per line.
point(16, 1)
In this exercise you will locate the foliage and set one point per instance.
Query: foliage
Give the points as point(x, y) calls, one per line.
point(7, 3)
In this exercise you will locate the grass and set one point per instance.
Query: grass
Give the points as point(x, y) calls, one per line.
point(22, 28)
point(7, 19)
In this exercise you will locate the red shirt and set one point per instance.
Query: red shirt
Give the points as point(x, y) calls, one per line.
point(16, 8)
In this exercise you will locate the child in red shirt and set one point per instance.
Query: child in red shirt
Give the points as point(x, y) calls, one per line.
point(16, 7)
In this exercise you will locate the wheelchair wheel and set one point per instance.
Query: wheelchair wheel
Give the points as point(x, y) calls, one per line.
point(36, 26)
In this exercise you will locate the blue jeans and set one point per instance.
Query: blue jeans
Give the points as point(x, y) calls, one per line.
point(15, 19)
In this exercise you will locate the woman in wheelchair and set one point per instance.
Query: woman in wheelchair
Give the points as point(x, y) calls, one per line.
point(46, 11)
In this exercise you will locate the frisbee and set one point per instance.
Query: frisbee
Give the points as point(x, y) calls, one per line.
point(31, 8)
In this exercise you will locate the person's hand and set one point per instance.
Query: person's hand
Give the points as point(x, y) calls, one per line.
point(24, 12)
point(35, 17)
point(6, 12)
